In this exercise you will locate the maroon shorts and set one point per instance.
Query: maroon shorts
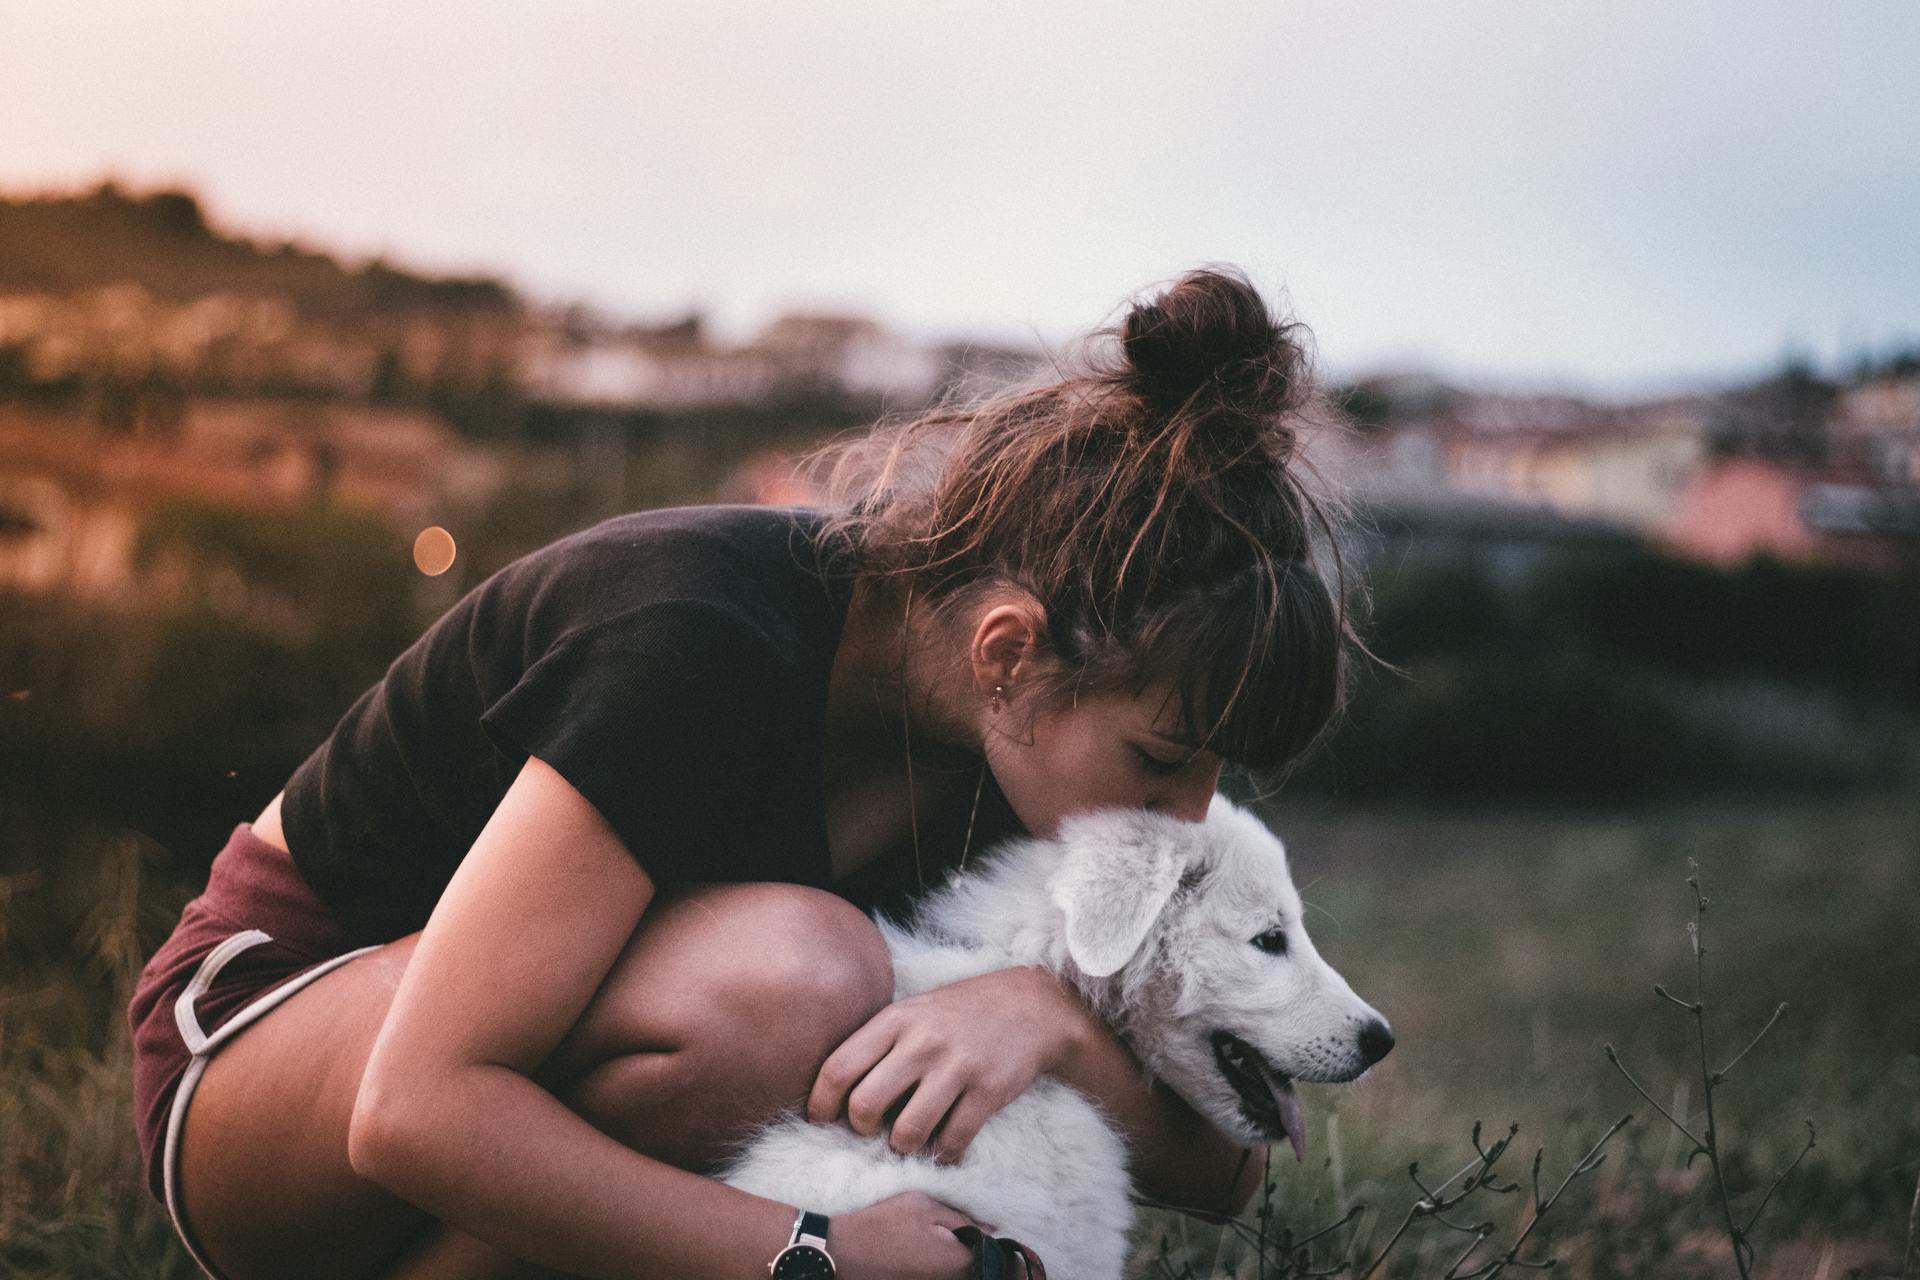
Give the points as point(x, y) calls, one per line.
point(256, 936)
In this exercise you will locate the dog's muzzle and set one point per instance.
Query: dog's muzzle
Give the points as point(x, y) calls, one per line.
point(1267, 1099)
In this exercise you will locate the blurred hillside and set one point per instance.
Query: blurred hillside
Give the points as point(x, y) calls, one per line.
point(162, 242)
point(119, 306)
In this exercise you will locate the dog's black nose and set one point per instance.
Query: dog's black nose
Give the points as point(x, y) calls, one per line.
point(1376, 1041)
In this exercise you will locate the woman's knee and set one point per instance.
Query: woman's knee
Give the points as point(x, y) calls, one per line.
point(807, 958)
point(715, 965)
point(791, 972)
point(780, 976)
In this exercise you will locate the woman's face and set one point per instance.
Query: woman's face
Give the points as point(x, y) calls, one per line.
point(1098, 751)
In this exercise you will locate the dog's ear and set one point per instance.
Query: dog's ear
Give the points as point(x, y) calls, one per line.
point(1111, 887)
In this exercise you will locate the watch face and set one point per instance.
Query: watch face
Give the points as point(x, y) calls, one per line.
point(802, 1262)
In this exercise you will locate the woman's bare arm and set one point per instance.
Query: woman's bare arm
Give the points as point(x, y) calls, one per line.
point(447, 1116)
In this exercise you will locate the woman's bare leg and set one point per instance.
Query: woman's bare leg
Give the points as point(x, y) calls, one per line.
point(718, 1014)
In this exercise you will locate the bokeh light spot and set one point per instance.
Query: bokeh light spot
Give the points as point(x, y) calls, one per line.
point(433, 551)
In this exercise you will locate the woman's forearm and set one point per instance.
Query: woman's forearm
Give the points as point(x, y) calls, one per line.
point(493, 1154)
point(1178, 1156)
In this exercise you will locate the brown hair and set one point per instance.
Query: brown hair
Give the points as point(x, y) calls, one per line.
point(1149, 501)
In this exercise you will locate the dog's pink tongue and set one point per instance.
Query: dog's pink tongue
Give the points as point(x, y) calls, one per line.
point(1293, 1118)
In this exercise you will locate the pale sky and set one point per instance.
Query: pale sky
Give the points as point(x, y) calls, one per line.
point(1602, 194)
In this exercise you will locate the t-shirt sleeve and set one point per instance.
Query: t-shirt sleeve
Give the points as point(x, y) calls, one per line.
point(655, 721)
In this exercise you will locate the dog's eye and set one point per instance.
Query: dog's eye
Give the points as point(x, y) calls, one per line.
point(1273, 942)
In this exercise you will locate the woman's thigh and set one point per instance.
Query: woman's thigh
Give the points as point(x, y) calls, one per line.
point(717, 1014)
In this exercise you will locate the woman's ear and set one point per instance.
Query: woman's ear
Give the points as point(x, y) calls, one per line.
point(1011, 631)
point(1118, 874)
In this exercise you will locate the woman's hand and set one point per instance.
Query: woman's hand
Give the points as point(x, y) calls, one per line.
point(963, 1051)
point(904, 1237)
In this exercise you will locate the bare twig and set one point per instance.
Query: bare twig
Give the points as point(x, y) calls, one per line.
point(1392, 1240)
point(1709, 1144)
point(1614, 1058)
point(1352, 1213)
point(1462, 1171)
point(1721, 1075)
point(1742, 1252)
point(1479, 1239)
point(1778, 1180)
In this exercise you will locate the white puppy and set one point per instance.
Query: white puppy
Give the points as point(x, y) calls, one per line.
point(1186, 938)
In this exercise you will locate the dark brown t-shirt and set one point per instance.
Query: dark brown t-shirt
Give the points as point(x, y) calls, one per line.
point(672, 665)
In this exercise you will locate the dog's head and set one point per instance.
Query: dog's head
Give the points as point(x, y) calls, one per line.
point(1188, 938)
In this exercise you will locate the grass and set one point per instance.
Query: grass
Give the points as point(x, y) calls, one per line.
point(73, 1202)
point(1506, 948)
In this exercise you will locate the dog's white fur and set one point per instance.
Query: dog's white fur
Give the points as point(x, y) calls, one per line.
point(1152, 921)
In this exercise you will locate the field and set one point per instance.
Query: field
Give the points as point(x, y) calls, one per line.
point(1507, 948)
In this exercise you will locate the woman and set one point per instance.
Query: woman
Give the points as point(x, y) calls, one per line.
point(567, 902)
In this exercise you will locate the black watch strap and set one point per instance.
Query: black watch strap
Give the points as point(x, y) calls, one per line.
point(806, 1256)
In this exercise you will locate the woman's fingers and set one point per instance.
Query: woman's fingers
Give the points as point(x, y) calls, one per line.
point(845, 1067)
point(932, 1098)
point(964, 1122)
point(884, 1089)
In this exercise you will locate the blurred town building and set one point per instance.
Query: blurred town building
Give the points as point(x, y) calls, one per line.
point(1626, 465)
point(1790, 468)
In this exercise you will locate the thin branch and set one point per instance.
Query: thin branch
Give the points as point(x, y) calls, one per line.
point(1723, 1072)
point(1478, 1228)
point(1352, 1213)
point(1392, 1240)
point(1457, 1175)
point(1614, 1058)
point(1778, 1180)
point(1453, 1272)
point(1742, 1255)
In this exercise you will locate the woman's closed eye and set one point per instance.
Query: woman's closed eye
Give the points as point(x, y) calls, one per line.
point(1155, 765)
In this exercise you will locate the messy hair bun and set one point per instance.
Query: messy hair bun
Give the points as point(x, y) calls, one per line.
point(1210, 337)
point(1150, 500)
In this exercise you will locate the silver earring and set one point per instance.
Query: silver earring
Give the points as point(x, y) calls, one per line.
point(999, 698)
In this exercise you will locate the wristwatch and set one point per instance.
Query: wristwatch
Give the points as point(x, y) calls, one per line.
point(806, 1256)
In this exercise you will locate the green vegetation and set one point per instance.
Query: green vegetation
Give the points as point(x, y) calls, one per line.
point(73, 935)
point(1624, 675)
